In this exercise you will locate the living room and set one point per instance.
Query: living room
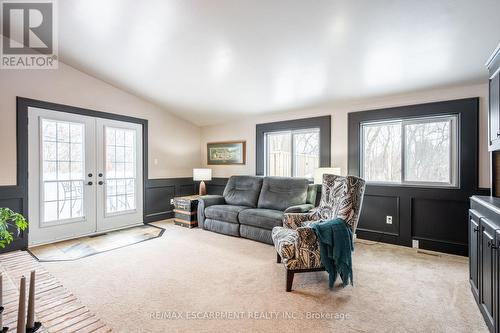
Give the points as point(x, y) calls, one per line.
point(247, 166)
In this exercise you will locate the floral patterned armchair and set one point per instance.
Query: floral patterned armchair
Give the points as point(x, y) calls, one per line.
point(296, 242)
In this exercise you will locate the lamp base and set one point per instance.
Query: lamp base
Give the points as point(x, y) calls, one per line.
point(203, 188)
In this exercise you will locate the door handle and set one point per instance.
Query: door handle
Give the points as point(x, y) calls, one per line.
point(100, 182)
point(492, 246)
point(476, 229)
point(90, 183)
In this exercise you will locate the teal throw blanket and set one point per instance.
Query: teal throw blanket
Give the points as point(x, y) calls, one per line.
point(336, 246)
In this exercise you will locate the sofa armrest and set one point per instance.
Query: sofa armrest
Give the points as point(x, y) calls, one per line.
point(304, 208)
point(207, 201)
point(298, 249)
point(296, 220)
point(286, 242)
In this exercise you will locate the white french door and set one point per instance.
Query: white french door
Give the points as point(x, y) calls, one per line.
point(85, 175)
point(119, 190)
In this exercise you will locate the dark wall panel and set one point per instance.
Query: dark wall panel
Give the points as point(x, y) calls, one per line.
point(375, 210)
point(159, 193)
point(158, 200)
point(440, 220)
point(216, 186)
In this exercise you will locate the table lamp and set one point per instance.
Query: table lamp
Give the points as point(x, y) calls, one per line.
point(319, 172)
point(201, 175)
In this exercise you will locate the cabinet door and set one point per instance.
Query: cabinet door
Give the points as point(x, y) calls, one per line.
point(496, 301)
point(487, 273)
point(494, 112)
point(474, 252)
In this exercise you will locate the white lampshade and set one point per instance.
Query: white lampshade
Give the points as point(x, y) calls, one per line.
point(319, 172)
point(202, 174)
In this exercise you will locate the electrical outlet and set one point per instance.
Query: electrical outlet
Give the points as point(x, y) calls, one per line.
point(388, 219)
point(171, 201)
point(414, 243)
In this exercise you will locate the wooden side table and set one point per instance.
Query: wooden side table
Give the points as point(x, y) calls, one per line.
point(185, 209)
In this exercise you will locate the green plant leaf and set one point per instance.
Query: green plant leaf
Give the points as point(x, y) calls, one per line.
point(9, 218)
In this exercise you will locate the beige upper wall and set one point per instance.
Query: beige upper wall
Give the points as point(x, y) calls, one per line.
point(245, 128)
point(174, 143)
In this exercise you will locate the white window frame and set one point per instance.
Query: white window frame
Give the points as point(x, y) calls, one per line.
point(292, 132)
point(454, 120)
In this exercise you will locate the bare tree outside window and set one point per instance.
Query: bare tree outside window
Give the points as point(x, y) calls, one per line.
point(382, 152)
point(427, 146)
point(306, 153)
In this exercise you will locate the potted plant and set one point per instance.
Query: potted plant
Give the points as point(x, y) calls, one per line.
point(9, 218)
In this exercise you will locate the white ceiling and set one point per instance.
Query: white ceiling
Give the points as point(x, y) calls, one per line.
point(210, 61)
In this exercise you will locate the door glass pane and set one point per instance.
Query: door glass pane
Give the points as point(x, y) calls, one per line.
point(428, 151)
point(63, 165)
point(120, 172)
point(306, 153)
point(381, 154)
point(279, 154)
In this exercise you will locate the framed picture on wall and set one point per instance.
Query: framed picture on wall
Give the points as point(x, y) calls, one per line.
point(226, 153)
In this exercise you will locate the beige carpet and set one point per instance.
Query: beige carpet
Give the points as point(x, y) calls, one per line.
point(163, 285)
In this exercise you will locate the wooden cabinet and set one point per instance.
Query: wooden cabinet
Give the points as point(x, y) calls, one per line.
point(484, 257)
point(494, 107)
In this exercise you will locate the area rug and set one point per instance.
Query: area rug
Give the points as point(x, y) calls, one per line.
point(87, 246)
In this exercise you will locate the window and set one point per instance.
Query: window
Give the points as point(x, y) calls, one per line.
point(411, 151)
point(292, 153)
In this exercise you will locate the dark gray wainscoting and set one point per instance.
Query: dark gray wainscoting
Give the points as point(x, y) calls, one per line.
point(14, 197)
point(433, 217)
point(159, 192)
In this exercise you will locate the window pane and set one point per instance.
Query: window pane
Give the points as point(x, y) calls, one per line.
point(63, 160)
point(428, 151)
point(120, 169)
point(381, 154)
point(306, 153)
point(278, 159)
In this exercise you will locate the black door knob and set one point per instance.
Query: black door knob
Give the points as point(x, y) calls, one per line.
point(100, 174)
point(90, 183)
point(90, 175)
point(100, 182)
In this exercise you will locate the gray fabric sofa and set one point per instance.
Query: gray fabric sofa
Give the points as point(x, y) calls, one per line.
point(251, 207)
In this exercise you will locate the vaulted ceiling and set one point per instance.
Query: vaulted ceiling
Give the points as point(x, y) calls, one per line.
point(210, 61)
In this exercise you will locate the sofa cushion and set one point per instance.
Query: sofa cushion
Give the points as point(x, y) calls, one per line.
point(226, 228)
point(228, 213)
point(243, 191)
point(256, 233)
point(282, 192)
point(262, 218)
